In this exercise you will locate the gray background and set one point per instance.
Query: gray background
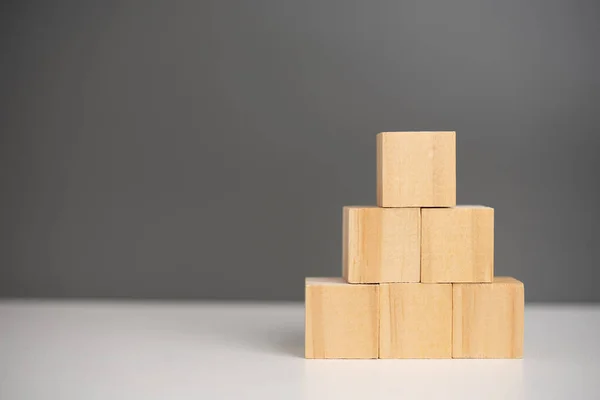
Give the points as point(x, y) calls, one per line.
point(205, 149)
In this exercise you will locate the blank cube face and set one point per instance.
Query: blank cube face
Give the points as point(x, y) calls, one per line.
point(488, 319)
point(457, 244)
point(381, 244)
point(416, 169)
point(341, 319)
point(415, 320)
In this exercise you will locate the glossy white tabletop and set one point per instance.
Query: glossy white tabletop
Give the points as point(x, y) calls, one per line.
point(161, 350)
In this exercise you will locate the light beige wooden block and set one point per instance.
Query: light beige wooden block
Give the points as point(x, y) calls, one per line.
point(488, 319)
point(381, 244)
point(416, 169)
point(415, 320)
point(457, 244)
point(341, 319)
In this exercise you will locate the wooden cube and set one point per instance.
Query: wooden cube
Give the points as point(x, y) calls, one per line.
point(416, 169)
point(342, 320)
point(488, 319)
point(457, 244)
point(415, 320)
point(381, 244)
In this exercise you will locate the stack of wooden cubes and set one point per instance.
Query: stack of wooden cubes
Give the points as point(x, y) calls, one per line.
point(418, 271)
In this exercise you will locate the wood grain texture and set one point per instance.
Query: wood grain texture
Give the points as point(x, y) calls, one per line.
point(488, 319)
point(416, 169)
point(342, 320)
point(457, 244)
point(381, 244)
point(415, 320)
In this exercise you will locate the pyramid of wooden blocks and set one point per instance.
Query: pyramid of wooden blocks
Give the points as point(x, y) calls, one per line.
point(417, 270)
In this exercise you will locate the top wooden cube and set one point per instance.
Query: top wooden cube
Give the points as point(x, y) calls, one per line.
point(416, 169)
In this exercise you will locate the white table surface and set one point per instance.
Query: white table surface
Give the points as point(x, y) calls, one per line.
point(161, 350)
